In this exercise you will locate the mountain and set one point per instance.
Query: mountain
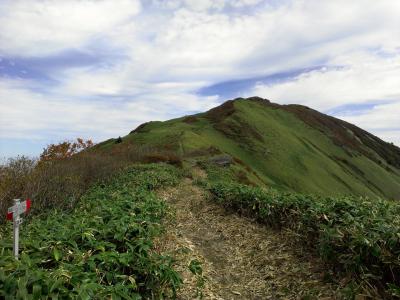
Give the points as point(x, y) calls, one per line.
point(288, 147)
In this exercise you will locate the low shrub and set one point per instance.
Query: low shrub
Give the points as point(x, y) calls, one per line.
point(358, 236)
point(169, 158)
point(54, 184)
point(59, 183)
point(102, 249)
point(14, 176)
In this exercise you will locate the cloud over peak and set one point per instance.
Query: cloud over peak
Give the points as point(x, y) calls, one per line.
point(68, 61)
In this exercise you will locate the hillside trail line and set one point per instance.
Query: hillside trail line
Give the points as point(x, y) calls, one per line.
point(240, 258)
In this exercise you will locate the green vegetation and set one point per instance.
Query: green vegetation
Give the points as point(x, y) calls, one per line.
point(286, 147)
point(61, 176)
point(358, 237)
point(93, 231)
point(102, 249)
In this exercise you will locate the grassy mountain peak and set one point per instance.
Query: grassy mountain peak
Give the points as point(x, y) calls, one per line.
point(288, 147)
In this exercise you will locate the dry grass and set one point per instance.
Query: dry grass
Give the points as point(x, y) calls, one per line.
point(169, 158)
point(240, 258)
point(53, 184)
point(14, 175)
point(60, 183)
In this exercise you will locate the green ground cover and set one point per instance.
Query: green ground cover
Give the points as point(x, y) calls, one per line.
point(277, 147)
point(102, 249)
point(357, 237)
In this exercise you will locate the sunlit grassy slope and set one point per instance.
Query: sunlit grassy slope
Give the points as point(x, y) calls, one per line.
point(287, 147)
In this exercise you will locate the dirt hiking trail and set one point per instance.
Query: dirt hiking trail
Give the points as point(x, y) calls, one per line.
point(240, 259)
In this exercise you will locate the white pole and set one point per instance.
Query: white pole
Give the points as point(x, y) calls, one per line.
point(16, 222)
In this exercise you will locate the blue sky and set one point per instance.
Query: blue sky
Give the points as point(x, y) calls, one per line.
point(97, 69)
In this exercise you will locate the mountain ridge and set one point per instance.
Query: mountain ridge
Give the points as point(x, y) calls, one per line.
point(289, 147)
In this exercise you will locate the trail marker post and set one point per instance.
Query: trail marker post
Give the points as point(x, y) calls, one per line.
point(13, 214)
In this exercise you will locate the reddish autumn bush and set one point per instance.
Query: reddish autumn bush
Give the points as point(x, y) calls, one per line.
point(64, 149)
point(65, 171)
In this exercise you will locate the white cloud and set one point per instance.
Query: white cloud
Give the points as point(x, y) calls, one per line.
point(243, 3)
point(205, 45)
point(204, 5)
point(201, 5)
point(200, 42)
point(361, 79)
point(25, 114)
point(172, 48)
point(39, 28)
point(382, 120)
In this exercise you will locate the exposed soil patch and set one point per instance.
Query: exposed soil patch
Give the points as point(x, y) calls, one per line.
point(240, 258)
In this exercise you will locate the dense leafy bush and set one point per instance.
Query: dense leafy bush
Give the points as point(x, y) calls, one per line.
point(102, 249)
point(358, 236)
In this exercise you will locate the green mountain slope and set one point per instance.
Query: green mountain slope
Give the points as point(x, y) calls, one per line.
point(288, 147)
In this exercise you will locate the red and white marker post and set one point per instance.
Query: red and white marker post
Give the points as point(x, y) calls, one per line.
point(13, 214)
